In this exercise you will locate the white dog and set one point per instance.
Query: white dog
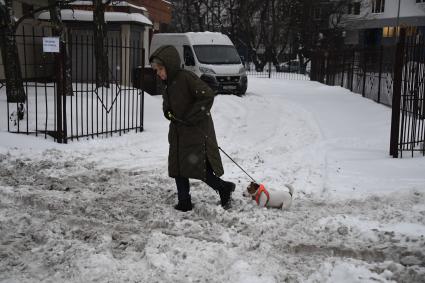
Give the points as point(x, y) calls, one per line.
point(270, 198)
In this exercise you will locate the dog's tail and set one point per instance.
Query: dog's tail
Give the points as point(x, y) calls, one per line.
point(291, 189)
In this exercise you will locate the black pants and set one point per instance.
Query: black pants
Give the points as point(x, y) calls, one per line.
point(183, 187)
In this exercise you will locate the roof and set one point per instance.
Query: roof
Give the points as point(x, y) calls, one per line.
point(201, 38)
point(121, 3)
point(87, 16)
point(160, 12)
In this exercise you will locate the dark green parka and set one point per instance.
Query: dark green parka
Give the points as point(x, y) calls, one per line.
point(190, 99)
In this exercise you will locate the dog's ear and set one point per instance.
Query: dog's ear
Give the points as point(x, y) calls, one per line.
point(252, 188)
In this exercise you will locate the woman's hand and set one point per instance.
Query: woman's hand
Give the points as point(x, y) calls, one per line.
point(169, 115)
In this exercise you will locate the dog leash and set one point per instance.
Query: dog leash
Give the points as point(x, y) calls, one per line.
point(216, 145)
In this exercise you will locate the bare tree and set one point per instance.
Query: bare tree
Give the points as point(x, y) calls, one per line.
point(271, 30)
point(200, 15)
point(54, 8)
point(184, 20)
point(215, 11)
point(100, 39)
point(14, 85)
point(326, 28)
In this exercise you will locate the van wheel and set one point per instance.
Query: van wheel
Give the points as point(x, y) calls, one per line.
point(242, 92)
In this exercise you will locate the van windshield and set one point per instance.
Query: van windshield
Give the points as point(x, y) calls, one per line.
point(217, 54)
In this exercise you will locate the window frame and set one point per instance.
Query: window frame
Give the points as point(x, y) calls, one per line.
point(378, 6)
point(357, 8)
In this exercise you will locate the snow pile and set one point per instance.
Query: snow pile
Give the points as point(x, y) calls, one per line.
point(101, 210)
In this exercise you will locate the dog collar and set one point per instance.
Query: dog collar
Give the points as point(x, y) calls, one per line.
point(262, 189)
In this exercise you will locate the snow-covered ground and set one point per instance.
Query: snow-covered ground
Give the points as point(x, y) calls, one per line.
point(102, 210)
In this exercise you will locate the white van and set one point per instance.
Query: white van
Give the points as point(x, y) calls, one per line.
point(210, 55)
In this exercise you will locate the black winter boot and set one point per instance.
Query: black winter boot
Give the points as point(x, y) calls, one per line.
point(226, 194)
point(184, 205)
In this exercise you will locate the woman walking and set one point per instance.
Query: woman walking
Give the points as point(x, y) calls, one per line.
point(193, 151)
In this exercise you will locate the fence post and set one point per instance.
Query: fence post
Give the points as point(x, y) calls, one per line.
point(364, 72)
point(64, 93)
point(323, 67)
point(381, 51)
point(60, 86)
point(343, 68)
point(270, 69)
point(326, 66)
point(142, 100)
point(395, 115)
point(352, 70)
point(313, 69)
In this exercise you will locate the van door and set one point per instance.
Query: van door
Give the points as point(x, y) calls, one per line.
point(188, 59)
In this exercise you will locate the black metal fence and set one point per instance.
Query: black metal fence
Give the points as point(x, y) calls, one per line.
point(368, 72)
point(408, 111)
point(89, 109)
point(391, 75)
point(291, 70)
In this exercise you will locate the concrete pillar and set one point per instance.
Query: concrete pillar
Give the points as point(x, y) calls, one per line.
point(146, 43)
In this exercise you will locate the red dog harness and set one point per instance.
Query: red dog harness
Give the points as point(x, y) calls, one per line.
point(262, 189)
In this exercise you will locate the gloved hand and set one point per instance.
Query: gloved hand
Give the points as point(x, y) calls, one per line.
point(169, 115)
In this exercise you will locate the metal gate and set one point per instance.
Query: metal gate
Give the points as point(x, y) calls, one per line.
point(367, 71)
point(388, 75)
point(408, 105)
point(88, 110)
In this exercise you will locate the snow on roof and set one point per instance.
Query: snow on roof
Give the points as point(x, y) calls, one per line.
point(122, 3)
point(87, 16)
point(208, 37)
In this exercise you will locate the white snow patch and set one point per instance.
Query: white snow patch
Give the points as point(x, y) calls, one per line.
point(102, 209)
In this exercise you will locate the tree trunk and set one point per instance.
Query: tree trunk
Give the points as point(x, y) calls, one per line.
point(58, 30)
point(12, 67)
point(101, 50)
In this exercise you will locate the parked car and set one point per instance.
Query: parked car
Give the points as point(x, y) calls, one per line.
point(259, 68)
point(292, 66)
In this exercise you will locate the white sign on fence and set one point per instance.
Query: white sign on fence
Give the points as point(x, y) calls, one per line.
point(51, 44)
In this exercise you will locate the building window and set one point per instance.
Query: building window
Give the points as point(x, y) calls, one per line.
point(420, 1)
point(317, 13)
point(411, 31)
point(393, 31)
point(353, 8)
point(356, 8)
point(349, 8)
point(388, 31)
point(378, 6)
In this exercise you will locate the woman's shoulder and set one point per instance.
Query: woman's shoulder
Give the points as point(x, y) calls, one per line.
point(188, 75)
point(193, 82)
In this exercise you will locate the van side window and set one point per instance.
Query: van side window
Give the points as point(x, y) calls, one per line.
point(189, 60)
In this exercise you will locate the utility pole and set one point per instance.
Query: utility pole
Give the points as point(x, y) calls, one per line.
point(397, 22)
